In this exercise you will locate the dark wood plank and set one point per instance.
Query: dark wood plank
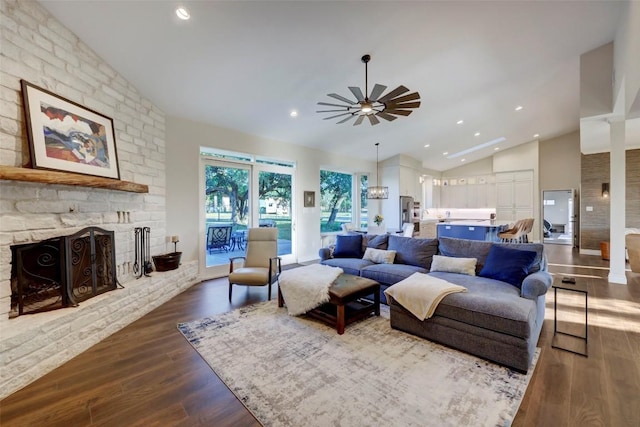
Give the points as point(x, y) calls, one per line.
point(65, 178)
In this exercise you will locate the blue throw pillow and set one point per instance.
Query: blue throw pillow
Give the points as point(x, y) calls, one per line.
point(508, 265)
point(348, 246)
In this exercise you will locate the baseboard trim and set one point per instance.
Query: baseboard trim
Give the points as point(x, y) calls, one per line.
point(619, 279)
point(590, 252)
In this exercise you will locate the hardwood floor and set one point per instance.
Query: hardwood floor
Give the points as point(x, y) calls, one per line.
point(148, 375)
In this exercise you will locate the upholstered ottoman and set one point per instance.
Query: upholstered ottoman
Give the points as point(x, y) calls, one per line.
point(345, 304)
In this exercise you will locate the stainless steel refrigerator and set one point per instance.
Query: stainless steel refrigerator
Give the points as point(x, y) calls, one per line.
point(406, 210)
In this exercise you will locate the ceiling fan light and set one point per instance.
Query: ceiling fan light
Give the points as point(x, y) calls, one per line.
point(366, 107)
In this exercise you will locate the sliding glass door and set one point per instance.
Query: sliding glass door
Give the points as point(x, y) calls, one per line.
point(227, 213)
point(275, 205)
point(236, 197)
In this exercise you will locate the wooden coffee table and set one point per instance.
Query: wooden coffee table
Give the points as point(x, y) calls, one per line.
point(345, 304)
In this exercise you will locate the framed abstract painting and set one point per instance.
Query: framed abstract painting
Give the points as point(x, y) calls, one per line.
point(65, 136)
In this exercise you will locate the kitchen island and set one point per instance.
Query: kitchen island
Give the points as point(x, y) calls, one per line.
point(472, 229)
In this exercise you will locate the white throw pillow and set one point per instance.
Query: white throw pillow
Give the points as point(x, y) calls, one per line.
point(454, 265)
point(379, 256)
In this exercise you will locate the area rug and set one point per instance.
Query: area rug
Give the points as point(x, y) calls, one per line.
point(294, 371)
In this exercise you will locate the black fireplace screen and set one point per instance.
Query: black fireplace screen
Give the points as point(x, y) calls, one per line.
point(62, 271)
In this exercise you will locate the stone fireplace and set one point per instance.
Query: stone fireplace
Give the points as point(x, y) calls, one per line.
point(62, 271)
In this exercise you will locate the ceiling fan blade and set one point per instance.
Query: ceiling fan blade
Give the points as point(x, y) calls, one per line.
point(386, 116)
point(331, 111)
point(341, 98)
point(399, 112)
point(359, 120)
point(393, 105)
point(411, 97)
point(357, 93)
point(373, 119)
point(347, 119)
point(376, 92)
point(333, 105)
point(396, 92)
point(337, 115)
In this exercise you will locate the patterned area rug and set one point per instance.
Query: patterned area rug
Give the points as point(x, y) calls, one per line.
point(294, 371)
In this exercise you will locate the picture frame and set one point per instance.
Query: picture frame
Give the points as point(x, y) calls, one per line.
point(309, 199)
point(66, 136)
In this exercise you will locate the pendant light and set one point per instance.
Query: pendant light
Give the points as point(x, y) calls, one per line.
point(377, 192)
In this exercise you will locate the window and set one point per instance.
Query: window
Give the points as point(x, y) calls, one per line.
point(336, 200)
point(364, 205)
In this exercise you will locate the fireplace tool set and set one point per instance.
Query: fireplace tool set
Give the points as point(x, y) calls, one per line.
point(142, 265)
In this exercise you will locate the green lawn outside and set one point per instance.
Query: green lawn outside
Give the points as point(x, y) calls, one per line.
point(284, 222)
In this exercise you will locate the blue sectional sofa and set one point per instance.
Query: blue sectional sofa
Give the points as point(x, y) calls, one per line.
point(499, 317)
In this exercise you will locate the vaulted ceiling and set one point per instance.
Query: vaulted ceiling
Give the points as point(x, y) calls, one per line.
point(245, 65)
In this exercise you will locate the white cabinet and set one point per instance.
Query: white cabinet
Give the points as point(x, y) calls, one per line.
point(514, 195)
point(410, 183)
point(470, 192)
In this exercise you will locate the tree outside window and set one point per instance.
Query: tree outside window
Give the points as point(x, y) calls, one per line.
point(364, 202)
point(336, 192)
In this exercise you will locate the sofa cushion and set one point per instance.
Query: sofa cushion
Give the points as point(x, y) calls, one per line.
point(379, 256)
point(417, 252)
point(376, 241)
point(479, 249)
point(508, 265)
point(454, 265)
point(348, 246)
point(489, 304)
point(348, 265)
point(389, 274)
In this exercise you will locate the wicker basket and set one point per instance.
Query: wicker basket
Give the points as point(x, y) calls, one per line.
point(167, 262)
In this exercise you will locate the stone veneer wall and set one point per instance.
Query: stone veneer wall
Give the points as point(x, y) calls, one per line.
point(38, 48)
point(594, 226)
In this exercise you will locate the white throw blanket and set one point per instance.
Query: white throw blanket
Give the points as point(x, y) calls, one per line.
point(421, 293)
point(306, 288)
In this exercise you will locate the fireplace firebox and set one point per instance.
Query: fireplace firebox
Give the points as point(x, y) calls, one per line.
point(62, 271)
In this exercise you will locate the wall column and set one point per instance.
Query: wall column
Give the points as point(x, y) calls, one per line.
point(617, 191)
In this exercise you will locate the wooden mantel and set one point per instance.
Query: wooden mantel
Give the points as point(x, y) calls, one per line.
point(63, 178)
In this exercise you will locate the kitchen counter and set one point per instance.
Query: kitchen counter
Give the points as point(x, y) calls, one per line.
point(472, 229)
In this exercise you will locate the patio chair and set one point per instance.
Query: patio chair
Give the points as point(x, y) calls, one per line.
point(261, 266)
point(219, 238)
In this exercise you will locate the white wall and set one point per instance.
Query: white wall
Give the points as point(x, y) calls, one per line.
point(479, 167)
point(626, 48)
point(596, 74)
point(38, 48)
point(184, 139)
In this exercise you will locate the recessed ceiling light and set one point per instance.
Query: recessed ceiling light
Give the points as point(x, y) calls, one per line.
point(183, 13)
point(496, 149)
point(460, 122)
point(445, 153)
point(463, 160)
point(426, 145)
point(293, 113)
point(519, 107)
point(476, 134)
point(535, 135)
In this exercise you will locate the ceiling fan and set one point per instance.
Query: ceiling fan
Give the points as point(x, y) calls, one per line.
point(372, 105)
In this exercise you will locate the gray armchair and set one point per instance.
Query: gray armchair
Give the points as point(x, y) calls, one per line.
point(261, 265)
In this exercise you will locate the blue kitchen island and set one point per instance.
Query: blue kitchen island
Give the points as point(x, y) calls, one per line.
point(472, 229)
